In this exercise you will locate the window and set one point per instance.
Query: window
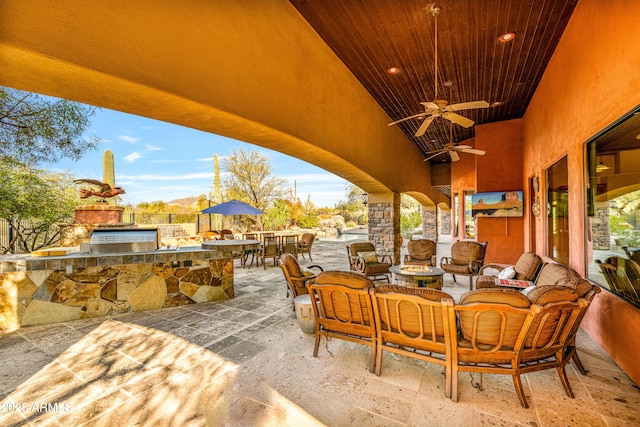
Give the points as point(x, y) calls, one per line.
point(613, 208)
point(558, 215)
point(469, 220)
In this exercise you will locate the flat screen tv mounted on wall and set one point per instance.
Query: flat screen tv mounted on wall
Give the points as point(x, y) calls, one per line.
point(498, 204)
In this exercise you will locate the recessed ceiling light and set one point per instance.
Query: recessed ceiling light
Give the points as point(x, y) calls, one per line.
point(497, 104)
point(393, 70)
point(507, 37)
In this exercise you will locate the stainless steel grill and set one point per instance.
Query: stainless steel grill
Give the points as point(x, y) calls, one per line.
point(123, 240)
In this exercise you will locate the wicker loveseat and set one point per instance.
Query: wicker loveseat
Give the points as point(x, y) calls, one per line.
point(491, 330)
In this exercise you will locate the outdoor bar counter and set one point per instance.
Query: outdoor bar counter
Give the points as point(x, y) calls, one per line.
point(37, 290)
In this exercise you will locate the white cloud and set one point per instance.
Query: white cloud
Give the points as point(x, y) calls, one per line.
point(150, 147)
point(133, 157)
point(129, 139)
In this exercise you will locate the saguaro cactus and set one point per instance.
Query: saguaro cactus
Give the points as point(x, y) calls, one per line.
point(108, 172)
point(217, 192)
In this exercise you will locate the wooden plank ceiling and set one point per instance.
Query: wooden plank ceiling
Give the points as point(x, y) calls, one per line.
point(370, 36)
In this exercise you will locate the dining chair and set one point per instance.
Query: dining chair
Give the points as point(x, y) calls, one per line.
point(305, 243)
point(269, 249)
point(289, 245)
point(247, 252)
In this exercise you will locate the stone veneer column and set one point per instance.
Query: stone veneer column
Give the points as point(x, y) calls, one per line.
point(429, 223)
point(384, 224)
point(600, 227)
point(445, 221)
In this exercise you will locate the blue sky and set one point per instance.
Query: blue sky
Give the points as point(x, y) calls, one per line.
point(160, 161)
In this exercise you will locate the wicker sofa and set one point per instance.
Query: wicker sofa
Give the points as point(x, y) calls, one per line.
point(490, 330)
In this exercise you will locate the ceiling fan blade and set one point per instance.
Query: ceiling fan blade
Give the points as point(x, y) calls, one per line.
point(461, 147)
point(439, 152)
point(454, 156)
point(423, 127)
point(430, 105)
point(468, 105)
point(407, 118)
point(458, 119)
point(471, 151)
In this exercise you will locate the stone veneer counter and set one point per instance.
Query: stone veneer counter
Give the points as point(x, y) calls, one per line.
point(38, 290)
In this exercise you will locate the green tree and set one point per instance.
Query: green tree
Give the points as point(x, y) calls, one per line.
point(250, 180)
point(32, 201)
point(35, 129)
point(277, 215)
point(352, 208)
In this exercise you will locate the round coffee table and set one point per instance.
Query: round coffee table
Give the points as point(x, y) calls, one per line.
point(417, 276)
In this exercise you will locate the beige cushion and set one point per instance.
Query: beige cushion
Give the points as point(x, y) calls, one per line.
point(527, 266)
point(345, 278)
point(544, 295)
point(547, 294)
point(369, 257)
point(463, 252)
point(488, 331)
point(354, 248)
point(421, 249)
point(553, 274)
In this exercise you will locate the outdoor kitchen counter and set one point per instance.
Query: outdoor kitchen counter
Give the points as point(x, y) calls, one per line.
point(219, 249)
point(38, 290)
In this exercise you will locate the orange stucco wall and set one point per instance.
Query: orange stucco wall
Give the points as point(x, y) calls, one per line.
point(500, 169)
point(592, 79)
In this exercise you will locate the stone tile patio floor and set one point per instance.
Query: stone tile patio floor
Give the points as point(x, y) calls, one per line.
point(246, 362)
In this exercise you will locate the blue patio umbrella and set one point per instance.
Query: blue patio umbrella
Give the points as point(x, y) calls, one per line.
point(232, 207)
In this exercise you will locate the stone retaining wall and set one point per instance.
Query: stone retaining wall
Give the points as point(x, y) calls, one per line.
point(51, 296)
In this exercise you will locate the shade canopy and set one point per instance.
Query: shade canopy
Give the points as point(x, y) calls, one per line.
point(232, 207)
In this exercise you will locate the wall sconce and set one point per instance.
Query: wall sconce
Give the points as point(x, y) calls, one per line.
point(601, 166)
point(365, 198)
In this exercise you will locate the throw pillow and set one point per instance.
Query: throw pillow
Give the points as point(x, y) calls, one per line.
point(507, 273)
point(369, 257)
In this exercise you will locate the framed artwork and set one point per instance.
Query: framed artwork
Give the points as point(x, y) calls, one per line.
point(498, 204)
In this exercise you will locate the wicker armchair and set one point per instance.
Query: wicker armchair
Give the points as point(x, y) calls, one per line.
point(503, 333)
point(467, 257)
point(420, 252)
point(410, 322)
point(526, 268)
point(305, 244)
point(296, 276)
point(344, 309)
point(364, 260)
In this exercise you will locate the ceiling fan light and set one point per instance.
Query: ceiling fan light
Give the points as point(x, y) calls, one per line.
point(393, 70)
point(602, 167)
point(507, 37)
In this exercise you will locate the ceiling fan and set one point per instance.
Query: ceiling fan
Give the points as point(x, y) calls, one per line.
point(440, 107)
point(452, 148)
